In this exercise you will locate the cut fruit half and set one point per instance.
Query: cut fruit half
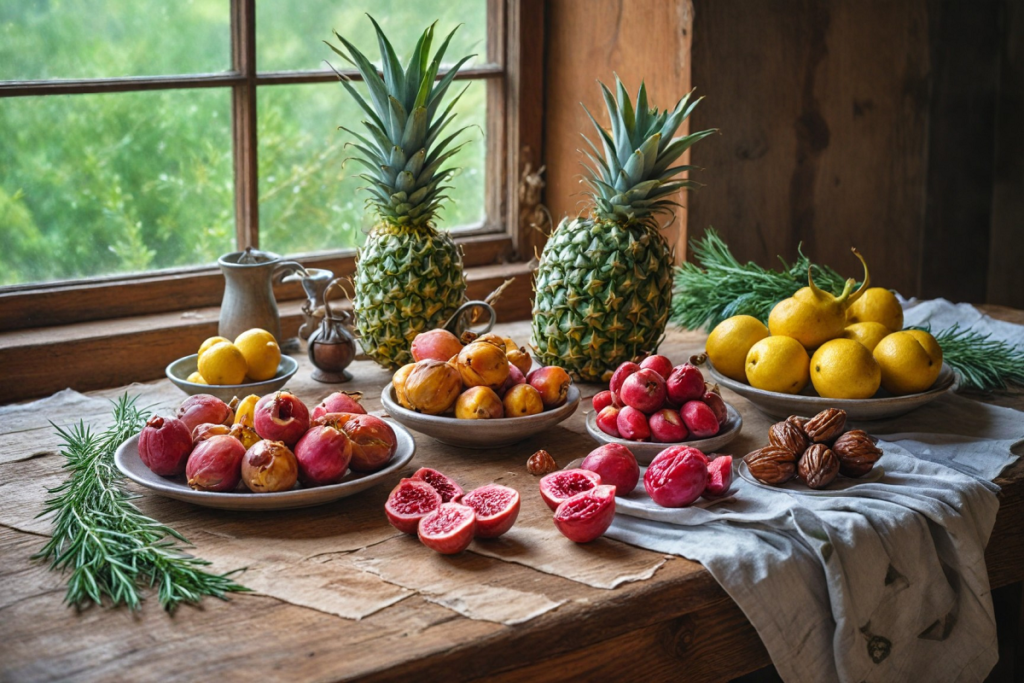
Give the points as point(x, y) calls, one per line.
point(562, 485)
point(586, 515)
point(449, 529)
point(497, 508)
point(719, 477)
point(409, 502)
point(449, 490)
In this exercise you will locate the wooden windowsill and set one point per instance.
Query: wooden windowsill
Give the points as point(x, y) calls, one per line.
point(107, 353)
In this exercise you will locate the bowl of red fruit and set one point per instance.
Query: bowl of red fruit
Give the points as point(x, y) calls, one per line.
point(651, 405)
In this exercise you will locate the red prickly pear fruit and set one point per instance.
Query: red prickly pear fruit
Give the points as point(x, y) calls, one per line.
point(409, 502)
point(620, 375)
point(644, 390)
point(338, 402)
point(515, 376)
point(632, 425)
point(323, 453)
point(449, 529)
point(676, 477)
point(586, 516)
point(668, 427)
point(607, 421)
point(684, 383)
point(617, 466)
point(700, 419)
point(449, 491)
point(164, 445)
point(215, 464)
point(496, 507)
point(719, 477)
point(660, 364)
point(558, 486)
point(433, 345)
point(200, 408)
point(553, 384)
point(602, 400)
point(281, 417)
point(717, 406)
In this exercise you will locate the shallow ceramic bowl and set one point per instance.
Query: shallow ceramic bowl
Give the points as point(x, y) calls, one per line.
point(183, 367)
point(479, 433)
point(645, 451)
point(127, 460)
point(808, 402)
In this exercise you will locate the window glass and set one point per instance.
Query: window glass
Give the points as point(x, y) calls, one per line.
point(309, 196)
point(114, 183)
point(290, 35)
point(41, 39)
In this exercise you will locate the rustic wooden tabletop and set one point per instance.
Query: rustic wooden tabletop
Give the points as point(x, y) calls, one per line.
point(531, 606)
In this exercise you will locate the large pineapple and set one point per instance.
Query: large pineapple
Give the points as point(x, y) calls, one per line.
point(409, 274)
point(604, 284)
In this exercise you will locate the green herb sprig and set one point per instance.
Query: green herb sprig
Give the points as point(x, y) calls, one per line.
point(109, 546)
point(718, 286)
point(983, 363)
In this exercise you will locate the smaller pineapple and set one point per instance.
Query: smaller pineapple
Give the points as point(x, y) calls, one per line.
point(603, 288)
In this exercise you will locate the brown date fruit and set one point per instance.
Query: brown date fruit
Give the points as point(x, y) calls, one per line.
point(857, 453)
point(787, 435)
point(771, 464)
point(826, 426)
point(541, 463)
point(819, 466)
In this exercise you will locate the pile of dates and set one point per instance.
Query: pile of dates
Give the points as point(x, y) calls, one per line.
point(488, 378)
point(267, 444)
point(431, 505)
point(653, 401)
point(816, 450)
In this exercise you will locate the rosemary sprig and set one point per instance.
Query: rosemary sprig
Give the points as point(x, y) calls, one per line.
point(718, 286)
point(983, 363)
point(110, 547)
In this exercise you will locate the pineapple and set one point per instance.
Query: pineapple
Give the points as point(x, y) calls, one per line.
point(604, 283)
point(409, 275)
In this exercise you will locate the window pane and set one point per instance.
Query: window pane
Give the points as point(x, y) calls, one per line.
point(309, 198)
point(115, 183)
point(290, 35)
point(42, 39)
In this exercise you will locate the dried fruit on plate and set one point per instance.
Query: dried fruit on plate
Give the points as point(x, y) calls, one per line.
point(826, 426)
point(857, 453)
point(789, 436)
point(819, 466)
point(771, 464)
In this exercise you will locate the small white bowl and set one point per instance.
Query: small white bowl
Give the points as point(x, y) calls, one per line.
point(478, 433)
point(645, 451)
point(180, 369)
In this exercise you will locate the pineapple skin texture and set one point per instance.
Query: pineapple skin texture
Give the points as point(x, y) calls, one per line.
point(408, 280)
point(602, 296)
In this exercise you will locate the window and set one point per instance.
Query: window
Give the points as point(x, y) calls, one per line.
point(140, 139)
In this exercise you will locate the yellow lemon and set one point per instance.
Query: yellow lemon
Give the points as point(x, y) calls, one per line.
point(196, 378)
point(261, 352)
point(910, 361)
point(223, 363)
point(877, 305)
point(729, 342)
point(844, 368)
point(245, 411)
point(778, 364)
point(205, 346)
point(868, 334)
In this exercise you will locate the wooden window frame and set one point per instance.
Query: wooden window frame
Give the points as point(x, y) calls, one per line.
point(513, 73)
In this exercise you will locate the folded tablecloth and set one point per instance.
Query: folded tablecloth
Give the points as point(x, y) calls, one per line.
point(881, 581)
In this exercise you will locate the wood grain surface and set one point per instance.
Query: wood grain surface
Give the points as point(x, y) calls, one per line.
point(678, 620)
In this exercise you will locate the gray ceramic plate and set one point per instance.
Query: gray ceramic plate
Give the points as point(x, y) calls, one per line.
point(128, 461)
point(808, 403)
point(183, 367)
point(479, 433)
point(645, 451)
point(840, 483)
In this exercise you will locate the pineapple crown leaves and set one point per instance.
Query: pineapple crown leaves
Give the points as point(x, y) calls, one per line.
point(402, 148)
point(632, 176)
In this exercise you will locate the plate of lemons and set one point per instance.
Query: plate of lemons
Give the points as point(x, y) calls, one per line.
point(821, 350)
point(251, 364)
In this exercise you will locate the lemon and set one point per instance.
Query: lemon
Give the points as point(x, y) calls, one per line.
point(223, 363)
point(910, 360)
point(195, 378)
point(261, 352)
point(729, 342)
point(205, 346)
point(778, 364)
point(844, 368)
point(877, 305)
point(245, 411)
point(868, 334)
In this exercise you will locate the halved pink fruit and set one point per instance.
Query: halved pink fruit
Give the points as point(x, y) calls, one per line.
point(586, 515)
point(450, 491)
point(719, 477)
point(496, 507)
point(409, 502)
point(449, 529)
point(564, 484)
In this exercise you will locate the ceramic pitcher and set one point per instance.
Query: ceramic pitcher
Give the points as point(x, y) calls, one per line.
point(249, 302)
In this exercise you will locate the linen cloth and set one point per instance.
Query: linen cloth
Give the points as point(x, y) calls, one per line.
point(881, 581)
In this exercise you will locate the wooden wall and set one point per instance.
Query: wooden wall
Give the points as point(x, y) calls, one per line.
point(894, 127)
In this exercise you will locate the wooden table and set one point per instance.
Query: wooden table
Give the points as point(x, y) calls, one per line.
point(677, 621)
